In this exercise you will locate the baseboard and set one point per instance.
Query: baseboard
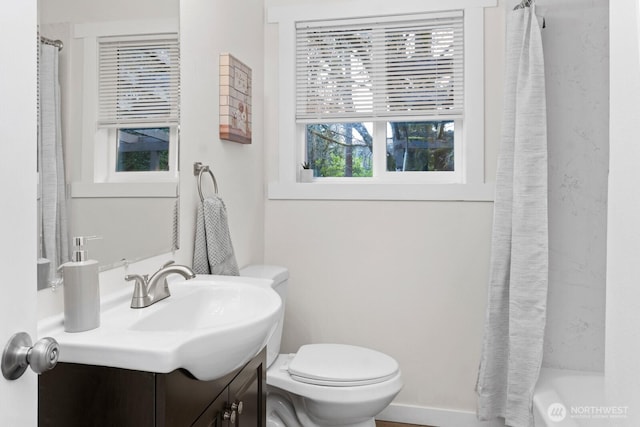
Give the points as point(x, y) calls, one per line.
point(436, 417)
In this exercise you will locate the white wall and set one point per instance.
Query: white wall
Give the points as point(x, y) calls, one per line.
point(576, 51)
point(406, 278)
point(622, 369)
point(208, 29)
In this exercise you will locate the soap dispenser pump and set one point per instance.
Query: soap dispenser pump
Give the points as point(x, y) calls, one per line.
point(81, 289)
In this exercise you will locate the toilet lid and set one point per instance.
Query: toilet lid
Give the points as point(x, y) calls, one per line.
point(341, 365)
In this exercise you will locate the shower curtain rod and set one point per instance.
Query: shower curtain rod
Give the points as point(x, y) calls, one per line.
point(56, 43)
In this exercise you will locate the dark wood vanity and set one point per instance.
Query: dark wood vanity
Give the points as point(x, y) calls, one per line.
point(85, 395)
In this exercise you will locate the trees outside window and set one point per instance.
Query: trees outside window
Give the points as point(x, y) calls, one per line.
point(346, 149)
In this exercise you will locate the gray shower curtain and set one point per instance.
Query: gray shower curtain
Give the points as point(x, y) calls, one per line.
point(54, 240)
point(516, 309)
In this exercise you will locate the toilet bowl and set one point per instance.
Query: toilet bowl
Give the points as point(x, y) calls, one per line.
point(333, 384)
point(324, 384)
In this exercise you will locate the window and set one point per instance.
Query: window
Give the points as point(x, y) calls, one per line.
point(403, 74)
point(138, 104)
point(340, 149)
point(378, 97)
point(129, 120)
point(139, 80)
point(346, 149)
point(143, 150)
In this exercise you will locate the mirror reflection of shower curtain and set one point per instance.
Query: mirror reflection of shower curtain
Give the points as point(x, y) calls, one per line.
point(54, 240)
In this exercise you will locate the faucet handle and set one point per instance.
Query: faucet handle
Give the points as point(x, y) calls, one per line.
point(140, 289)
point(140, 292)
point(136, 277)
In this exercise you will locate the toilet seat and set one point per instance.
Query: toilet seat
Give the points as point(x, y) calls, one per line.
point(278, 376)
point(340, 365)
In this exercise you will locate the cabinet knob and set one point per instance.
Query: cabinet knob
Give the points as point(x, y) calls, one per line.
point(237, 406)
point(230, 415)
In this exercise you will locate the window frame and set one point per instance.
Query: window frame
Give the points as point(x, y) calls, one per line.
point(98, 157)
point(472, 184)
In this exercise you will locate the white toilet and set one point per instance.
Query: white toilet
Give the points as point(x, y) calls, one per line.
point(323, 384)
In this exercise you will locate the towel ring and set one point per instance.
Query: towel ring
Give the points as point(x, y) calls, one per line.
point(199, 169)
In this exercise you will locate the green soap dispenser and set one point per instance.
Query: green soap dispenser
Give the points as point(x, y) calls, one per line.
point(81, 289)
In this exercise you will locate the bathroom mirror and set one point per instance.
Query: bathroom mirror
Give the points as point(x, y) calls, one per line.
point(135, 213)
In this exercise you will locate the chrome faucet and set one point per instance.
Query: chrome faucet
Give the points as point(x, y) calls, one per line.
point(149, 290)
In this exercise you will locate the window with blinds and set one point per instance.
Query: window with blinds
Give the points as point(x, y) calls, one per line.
point(392, 68)
point(382, 97)
point(138, 81)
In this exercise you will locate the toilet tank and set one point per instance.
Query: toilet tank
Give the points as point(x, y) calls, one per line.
point(280, 277)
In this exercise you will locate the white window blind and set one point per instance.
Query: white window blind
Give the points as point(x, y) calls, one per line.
point(139, 80)
point(391, 68)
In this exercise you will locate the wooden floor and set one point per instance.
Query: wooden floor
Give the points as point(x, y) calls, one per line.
point(389, 424)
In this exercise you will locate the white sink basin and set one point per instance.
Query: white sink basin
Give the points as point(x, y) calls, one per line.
point(210, 326)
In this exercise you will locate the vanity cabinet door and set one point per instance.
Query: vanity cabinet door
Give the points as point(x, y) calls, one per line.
point(243, 404)
point(182, 399)
point(248, 392)
point(75, 395)
point(83, 395)
point(212, 416)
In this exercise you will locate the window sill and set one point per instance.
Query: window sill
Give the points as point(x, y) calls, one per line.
point(377, 191)
point(114, 190)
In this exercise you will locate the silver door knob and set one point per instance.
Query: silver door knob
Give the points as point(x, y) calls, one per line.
point(19, 353)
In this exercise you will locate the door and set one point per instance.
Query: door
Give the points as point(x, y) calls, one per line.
point(18, 129)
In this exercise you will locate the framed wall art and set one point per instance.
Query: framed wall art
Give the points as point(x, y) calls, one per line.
point(235, 100)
